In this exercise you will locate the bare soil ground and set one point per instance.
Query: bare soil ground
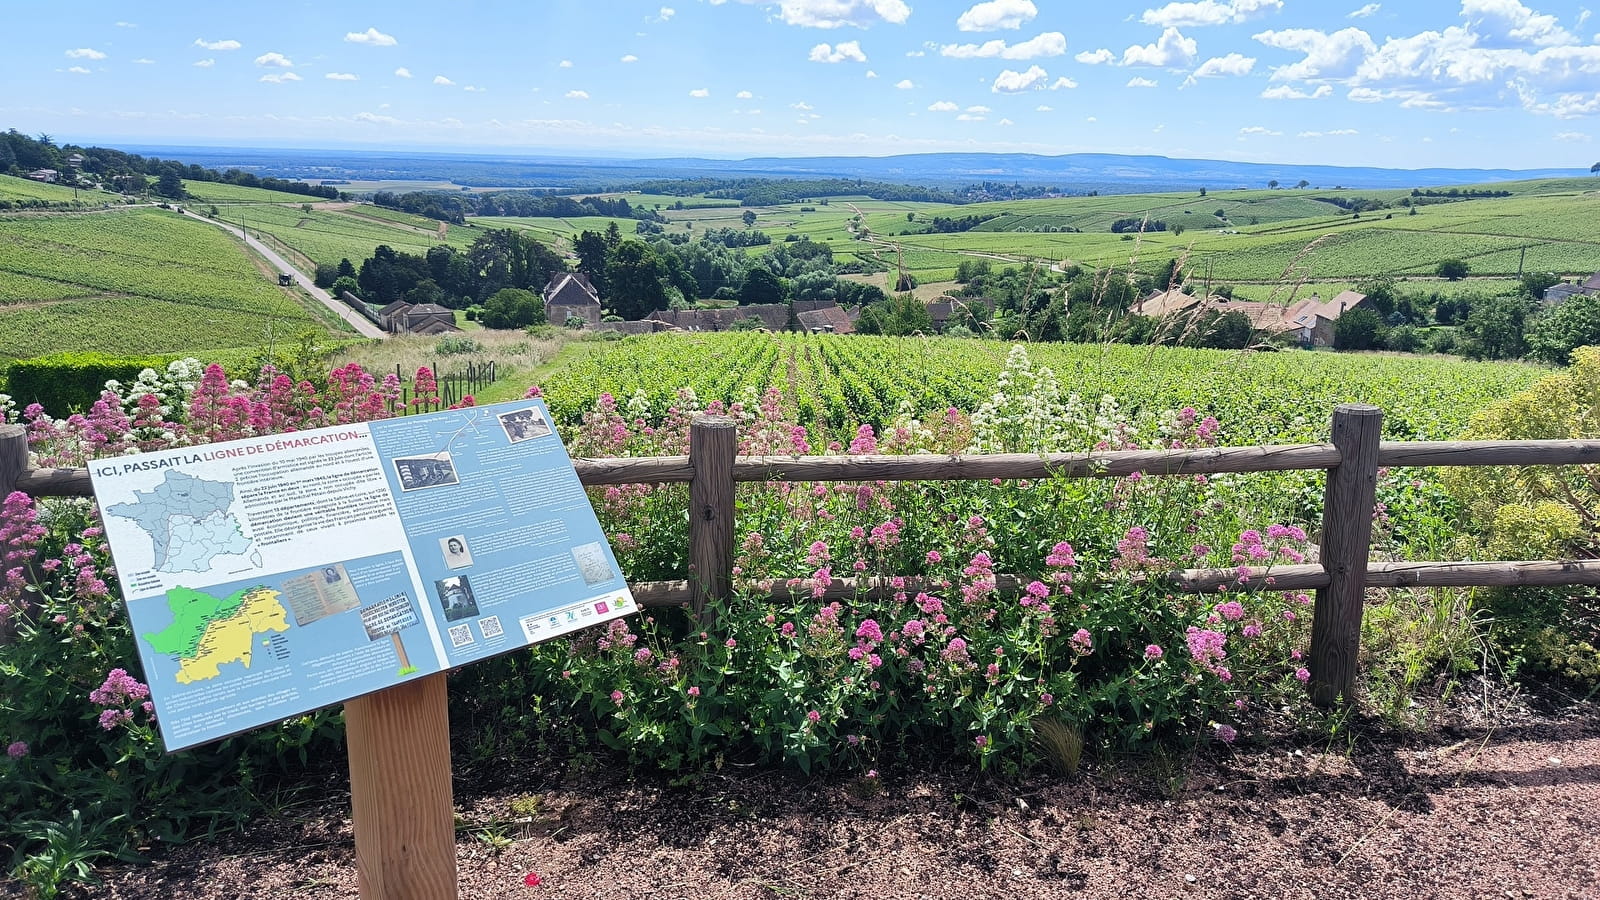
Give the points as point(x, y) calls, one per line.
point(1473, 807)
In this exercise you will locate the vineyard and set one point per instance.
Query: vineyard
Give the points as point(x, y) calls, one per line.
point(836, 383)
point(155, 282)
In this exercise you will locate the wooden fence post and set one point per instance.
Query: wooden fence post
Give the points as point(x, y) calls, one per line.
point(1346, 542)
point(13, 457)
point(400, 791)
point(713, 445)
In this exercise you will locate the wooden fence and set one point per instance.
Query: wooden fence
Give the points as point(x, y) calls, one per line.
point(452, 387)
point(1352, 459)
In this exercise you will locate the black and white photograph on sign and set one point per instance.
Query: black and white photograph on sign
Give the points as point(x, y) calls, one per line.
point(524, 424)
point(592, 564)
point(455, 598)
point(457, 555)
point(418, 472)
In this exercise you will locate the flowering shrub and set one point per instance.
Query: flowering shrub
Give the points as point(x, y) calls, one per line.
point(948, 656)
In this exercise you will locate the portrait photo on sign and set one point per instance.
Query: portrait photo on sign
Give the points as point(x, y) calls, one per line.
point(457, 555)
point(592, 564)
point(433, 470)
point(524, 424)
point(455, 598)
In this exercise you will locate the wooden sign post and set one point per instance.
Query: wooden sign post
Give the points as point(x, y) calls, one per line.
point(400, 791)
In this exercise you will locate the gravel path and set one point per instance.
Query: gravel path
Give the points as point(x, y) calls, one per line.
point(1511, 810)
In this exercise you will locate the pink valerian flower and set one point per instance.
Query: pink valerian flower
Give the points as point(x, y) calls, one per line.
point(1302, 674)
point(730, 643)
point(1133, 551)
point(933, 557)
point(814, 716)
point(111, 718)
point(694, 691)
point(982, 741)
point(617, 697)
point(869, 631)
point(1046, 699)
point(1226, 733)
point(1206, 647)
point(1153, 651)
point(1233, 610)
point(955, 652)
point(1253, 630)
point(118, 689)
point(1082, 643)
point(17, 750)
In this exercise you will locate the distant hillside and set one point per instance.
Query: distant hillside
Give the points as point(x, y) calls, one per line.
point(1074, 172)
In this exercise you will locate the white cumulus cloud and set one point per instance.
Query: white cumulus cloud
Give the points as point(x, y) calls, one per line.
point(275, 59)
point(1337, 132)
point(440, 79)
point(1365, 11)
point(216, 45)
point(1335, 55)
point(1138, 82)
point(1010, 82)
point(402, 72)
point(699, 93)
point(577, 95)
point(78, 70)
point(1063, 83)
point(1095, 57)
point(996, 15)
point(144, 61)
point(1232, 65)
point(846, 50)
point(1051, 43)
point(1511, 22)
point(744, 95)
point(1209, 12)
point(905, 84)
point(1286, 92)
point(1257, 129)
point(630, 58)
point(839, 13)
point(341, 76)
point(942, 106)
point(474, 89)
point(204, 63)
point(372, 37)
point(280, 77)
point(1042, 108)
point(1171, 49)
point(85, 53)
point(564, 64)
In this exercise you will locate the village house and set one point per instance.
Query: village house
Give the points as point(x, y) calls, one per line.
point(571, 295)
point(945, 308)
point(1310, 320)
point(49, 176)
point(401, 317)
point(1560, 293)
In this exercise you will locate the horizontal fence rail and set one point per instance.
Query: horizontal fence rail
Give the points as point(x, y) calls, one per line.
point(1340, 578)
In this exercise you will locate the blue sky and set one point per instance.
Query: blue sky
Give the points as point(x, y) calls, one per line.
point(1401, 83)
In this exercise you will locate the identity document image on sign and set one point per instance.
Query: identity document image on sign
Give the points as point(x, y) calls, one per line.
point(271, 576)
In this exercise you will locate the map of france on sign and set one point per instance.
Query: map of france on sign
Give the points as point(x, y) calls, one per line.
point(188, 521)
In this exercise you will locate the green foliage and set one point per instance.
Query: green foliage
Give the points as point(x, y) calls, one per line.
point(1495, 329)
point(1452, 269)
point(1540, 512)
point(1358, 329)
point(512, 308)
point(761, 285)
point(1404, 339)
point(1573, 324)
point(72, 382)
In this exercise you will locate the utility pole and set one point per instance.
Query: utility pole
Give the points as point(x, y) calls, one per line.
point(1520, 260)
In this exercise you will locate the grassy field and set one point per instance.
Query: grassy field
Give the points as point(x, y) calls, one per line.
point(217, 192)
point(328, 235)
point(134, 281)
point(14, 189)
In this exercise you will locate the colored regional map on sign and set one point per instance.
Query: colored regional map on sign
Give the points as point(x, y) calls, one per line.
point(188, 521)
point(209, 631)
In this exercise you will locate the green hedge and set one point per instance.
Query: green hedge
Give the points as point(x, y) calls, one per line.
point(64, 383)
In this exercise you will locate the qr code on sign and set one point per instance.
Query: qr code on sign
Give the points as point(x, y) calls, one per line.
point(490, 627)
point(460, 635)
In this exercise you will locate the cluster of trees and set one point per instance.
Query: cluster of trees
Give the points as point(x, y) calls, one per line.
point(735, 237)
point(130, 172)
point(1354, 204)
point(455, 207)
point(497, 259)
point(949, 225)
point(1136, 224)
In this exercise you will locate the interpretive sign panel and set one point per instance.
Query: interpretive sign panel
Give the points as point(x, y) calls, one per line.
point(262, 574)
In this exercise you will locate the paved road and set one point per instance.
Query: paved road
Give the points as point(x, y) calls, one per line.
point(342, 310)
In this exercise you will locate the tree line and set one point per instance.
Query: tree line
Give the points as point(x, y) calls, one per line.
point(128, 172)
